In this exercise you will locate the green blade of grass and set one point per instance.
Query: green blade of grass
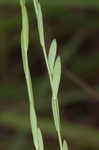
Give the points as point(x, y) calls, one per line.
point(24, 46)
point(56, 77)
point(52, 55)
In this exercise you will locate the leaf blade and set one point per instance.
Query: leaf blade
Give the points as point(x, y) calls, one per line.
point(52, 54)
point(40, 140)
point(25, 26)
point(40, 25)
point(55, 114)
point(56, 76)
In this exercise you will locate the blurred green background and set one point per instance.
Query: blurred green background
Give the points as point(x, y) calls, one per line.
point(75, 24)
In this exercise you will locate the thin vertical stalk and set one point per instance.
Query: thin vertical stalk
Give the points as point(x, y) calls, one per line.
point(36, 132)
point(53, 97)
point(54, 69)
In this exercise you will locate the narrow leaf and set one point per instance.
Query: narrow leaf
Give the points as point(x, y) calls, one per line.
point(52, 54)
point(40, 25)
point(40, 140)
point(36, 6)
point(33, 120)
point(24, 57)
point(24, 47)
point(56, 76)
point(25, 26)
point(57, 107)
point(55, 113)
point(22, 2)
point(65, 147)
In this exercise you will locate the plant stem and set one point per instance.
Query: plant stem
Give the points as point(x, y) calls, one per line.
point(50, 77)
point(47, 64)
point(60, 140)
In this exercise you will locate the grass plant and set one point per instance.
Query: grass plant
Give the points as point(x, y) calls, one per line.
point(53, 64)
point(36, 132)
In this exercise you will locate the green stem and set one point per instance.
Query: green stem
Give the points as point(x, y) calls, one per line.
point(42, 42)
point(60, 139)
point(51, 82)
point(48, 68)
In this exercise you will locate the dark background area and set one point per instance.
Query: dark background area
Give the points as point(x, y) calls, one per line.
point(75, 25)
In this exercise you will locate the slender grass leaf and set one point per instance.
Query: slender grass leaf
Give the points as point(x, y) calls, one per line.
point(40, 140)
point(36, 6)
point(23, 52)
point(40, 25)
point(57, 107)
point(52, 54)
point(22, 2)
point(56, 76)
point(65, 147)
point(55, 113)
point(34, 126)
point(54, 68)
point(22, 41)
point(24, 46)
point(25, 26)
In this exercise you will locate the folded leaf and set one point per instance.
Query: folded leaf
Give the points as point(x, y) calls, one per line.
point(40, 25)
point(25, 26)
point(52, 54)
point(56, 76)
point(55, 114)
